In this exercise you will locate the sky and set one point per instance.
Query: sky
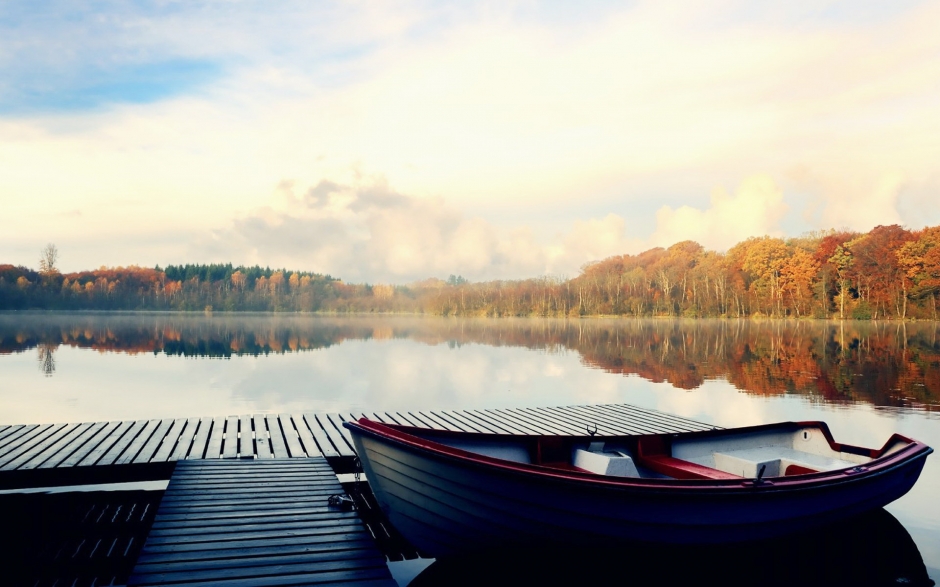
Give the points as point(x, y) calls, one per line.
point(396, 141)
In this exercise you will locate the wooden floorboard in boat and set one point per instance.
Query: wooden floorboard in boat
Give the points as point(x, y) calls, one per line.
point(52, 447)
point(210, 531)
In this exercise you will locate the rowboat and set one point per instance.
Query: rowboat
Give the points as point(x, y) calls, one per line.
point(451, 493)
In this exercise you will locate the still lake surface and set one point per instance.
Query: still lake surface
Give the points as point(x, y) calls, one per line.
point(865, 379)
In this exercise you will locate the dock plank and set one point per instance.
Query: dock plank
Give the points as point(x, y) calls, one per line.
point(278, 442)
point(251, 543)
point(494, 417)
point(197, 449)
point(48, 444)
point(13, 446)
point(436, 422)
point(405, 419)
point(246, 437)
point(292, 437)
point(150, 445)
point(214, 442)
point(621, 425)
point(322, 440)
point(9, 431)
point(588, 420)
point(313, 445)
point(184, 442)
point(557, 421)
point(528, 426)
point(102, 435)
point(451, 423)
point(475, 426)
point(333, 426)
point(165, 450)
point(262, 443)
point(55, 455)
point(230, 442)
point(129, 443)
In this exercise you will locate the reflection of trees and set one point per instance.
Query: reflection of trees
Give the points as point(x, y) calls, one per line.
point(46, 358)
point(886, 364)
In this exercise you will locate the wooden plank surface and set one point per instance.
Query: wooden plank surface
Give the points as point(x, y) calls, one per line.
point(143, 453)
point(230, 444)
point(551, 419)
point(291, 437)
point(185, 440)
point(22, 442)
point(214, 527)
point(278, 442)
point(262, 443)
point(332, 425)
point(80, 453)
point(200, 440)
point(214, 442)
point(64, 449)
point(6, 431)
point(165, 450)
point(113, 438)
point(327, 448)
point(38, 452)
point(125, 449)
point(296, 436)
point(246, 438)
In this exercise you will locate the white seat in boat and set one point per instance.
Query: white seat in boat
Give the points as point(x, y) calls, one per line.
point(614, 464)
point(747, 462)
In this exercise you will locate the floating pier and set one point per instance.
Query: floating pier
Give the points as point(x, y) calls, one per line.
point(143, 450)
point(248, 497)
point(259, 523)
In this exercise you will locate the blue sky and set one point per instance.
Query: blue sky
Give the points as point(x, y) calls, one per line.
point(504, 139)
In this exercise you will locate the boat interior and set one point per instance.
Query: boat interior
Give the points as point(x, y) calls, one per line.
point(757, 453)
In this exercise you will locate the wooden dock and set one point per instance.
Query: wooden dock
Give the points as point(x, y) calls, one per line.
point(258, 523)
point(101, 452)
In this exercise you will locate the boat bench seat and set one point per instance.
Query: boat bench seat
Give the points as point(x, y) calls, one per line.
point(679, 469)
point(778, 462)
point(612, 464)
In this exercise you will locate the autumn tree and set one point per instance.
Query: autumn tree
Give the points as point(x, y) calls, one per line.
point(48, 258)
point(764, 258)
point(920, 260)
point(797, 276)
point(842, 261)
point(880, 279)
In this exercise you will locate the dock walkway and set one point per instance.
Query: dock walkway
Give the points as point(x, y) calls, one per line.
point(258, 523)
point(101, 452)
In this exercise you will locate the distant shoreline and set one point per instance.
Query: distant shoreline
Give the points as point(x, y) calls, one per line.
point(226, 313)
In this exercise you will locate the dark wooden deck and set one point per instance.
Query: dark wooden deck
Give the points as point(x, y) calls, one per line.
point(100, 452)
point(257, 523)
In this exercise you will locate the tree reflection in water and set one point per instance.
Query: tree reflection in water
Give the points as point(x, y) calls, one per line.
point(46, 358)
point(889, 364)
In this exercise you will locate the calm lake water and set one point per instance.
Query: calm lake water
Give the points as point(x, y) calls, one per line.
point(867, 380)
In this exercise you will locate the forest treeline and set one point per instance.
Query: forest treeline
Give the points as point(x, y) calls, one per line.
point(889, 272)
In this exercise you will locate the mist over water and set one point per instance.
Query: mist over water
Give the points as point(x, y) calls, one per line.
point(865, 379)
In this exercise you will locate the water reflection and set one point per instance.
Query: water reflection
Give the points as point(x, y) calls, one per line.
point(885, 364)
point(873, 549)
point(46, 358)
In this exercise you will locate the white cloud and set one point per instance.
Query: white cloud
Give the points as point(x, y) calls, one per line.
point(755, 209)
point(365, 230)
point(861, 204)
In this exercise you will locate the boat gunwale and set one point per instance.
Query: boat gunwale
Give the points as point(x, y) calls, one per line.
point(415, 438)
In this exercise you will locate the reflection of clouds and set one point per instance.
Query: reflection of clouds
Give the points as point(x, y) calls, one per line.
point(715, 402)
